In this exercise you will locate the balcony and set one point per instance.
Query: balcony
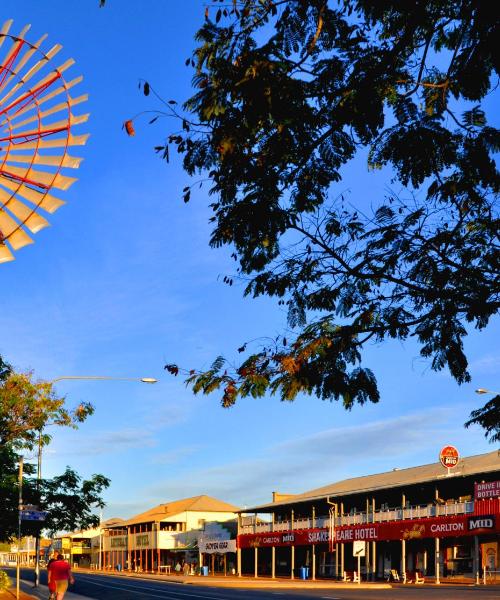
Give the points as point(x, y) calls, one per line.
point(380, 516)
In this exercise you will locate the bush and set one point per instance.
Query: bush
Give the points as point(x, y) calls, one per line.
point(4, 581)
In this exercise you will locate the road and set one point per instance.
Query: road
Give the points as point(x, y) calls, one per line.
point(106, 587)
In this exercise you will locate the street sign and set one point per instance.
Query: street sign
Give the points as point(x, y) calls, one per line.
point(358, 548)
point(33, 515)
point(449, 457)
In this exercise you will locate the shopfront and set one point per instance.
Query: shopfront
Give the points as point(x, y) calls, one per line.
point(415, 544)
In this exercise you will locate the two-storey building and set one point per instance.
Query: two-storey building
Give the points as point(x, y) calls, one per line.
point(173, 532)
point(442, 522)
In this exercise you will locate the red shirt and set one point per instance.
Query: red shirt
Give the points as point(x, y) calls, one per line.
point(59, 570)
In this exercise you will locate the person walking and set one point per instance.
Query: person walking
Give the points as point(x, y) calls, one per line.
point(60, 575)
point(51, 584)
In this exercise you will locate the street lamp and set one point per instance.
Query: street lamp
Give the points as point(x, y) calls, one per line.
point(105, 378)
point(485, 391)
point(39, 469)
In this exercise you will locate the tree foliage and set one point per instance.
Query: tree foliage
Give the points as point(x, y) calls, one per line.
point(287, 93)
point(27, 408)
point(9, 491)
point(69, 500)
point(5, 369)
point(488, 417)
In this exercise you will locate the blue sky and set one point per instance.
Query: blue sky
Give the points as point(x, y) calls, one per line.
point(124, 282)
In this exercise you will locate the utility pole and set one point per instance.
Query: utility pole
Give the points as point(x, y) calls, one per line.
point(20, 507)
point(37, 537)
point(100, 541)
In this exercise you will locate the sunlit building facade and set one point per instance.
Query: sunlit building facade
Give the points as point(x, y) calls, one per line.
point(178, 532)
point(431, 520)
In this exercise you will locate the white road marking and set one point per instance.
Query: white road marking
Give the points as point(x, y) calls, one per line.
point(128, 587)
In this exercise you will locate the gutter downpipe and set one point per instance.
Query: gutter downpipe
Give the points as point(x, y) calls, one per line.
point(333, 513)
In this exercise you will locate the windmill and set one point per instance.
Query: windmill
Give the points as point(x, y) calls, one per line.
point(36, 134)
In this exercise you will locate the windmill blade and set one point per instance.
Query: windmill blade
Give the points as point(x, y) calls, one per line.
point(43, 200)
point(9, 60)
point(19, 238)
point(5, 30)
point(47, 129)
point(71, 140)
point(46, 81)
point(12, 231)
point(26, 215)
point(61, 160)
point(23, 59)
point(42, 98)
point(5, 254)
point(46, 113)
point(27, 172)
point(42, 179)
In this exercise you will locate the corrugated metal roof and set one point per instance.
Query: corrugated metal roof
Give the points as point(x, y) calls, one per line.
point(168, 510)
point(471, 465)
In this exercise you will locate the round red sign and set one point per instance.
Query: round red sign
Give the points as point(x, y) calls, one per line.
point(449, 457)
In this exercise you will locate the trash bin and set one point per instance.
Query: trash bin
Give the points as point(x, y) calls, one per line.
point(304, 572)
point(204, 571)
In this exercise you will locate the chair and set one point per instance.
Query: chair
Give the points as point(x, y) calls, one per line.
point(419, 578)
point(393, 575)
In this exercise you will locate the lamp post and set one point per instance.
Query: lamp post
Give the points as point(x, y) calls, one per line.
point(480, 391)
point(149, 380)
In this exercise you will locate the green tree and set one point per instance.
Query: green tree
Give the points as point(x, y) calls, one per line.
point(5, 369)
point(288, 92)
point(69, 500)
point(27, 408)
point(488, 417)
point(9, 491)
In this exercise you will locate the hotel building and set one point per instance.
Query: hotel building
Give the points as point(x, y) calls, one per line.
point(435, 520)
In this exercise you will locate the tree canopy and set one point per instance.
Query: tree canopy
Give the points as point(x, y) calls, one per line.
point(27, 408)
point(289, 92)
point(69, 500)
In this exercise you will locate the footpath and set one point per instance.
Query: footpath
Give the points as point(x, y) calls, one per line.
point(42, 592)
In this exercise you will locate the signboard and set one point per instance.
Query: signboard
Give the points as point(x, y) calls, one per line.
point(487, 490)
point(359, 549)
point(449, 457)
point(208, 546)
point(410, 529)
point(80, 550)
point(481, 523)
point(33, 515)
